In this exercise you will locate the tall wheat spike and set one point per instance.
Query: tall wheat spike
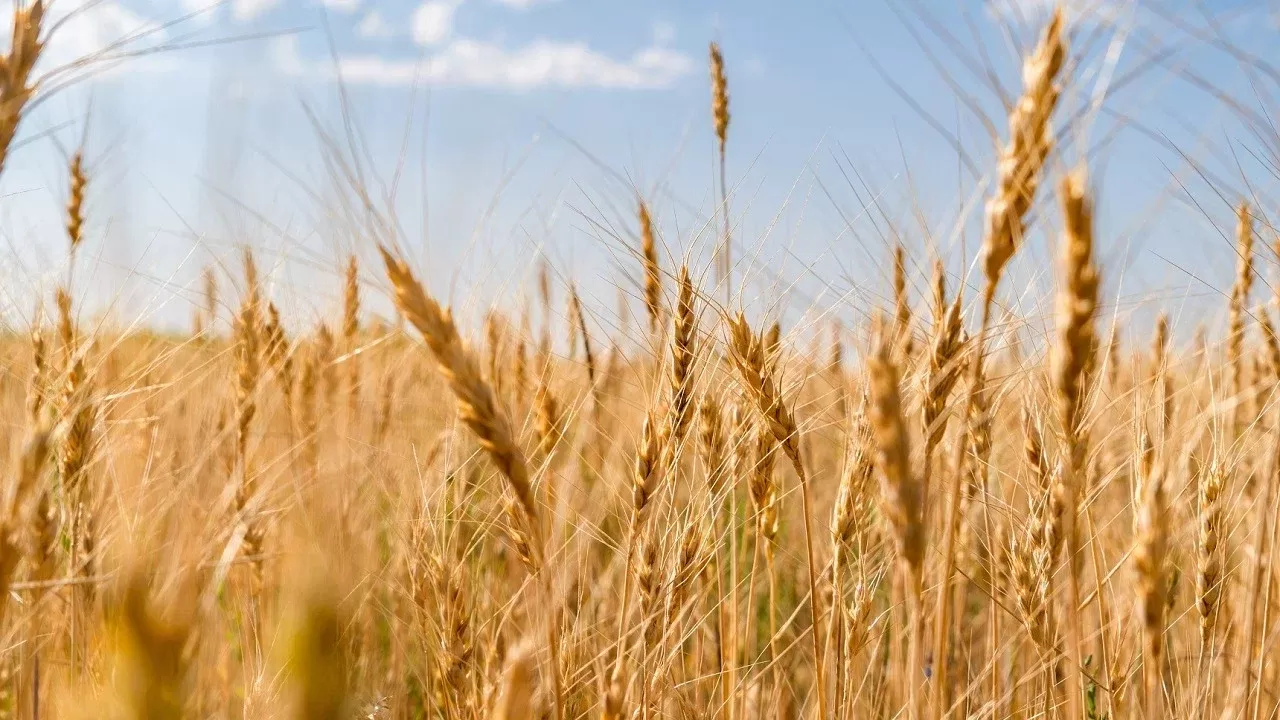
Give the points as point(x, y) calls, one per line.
point(247, 369)
point(901, 302)
point(1236, 315)
point(351, 330)
point(683, 353)
point(943, 371)
point(1073, 359)
point(1021, 160)
point(37, 387)
point(720, 120)
point(75, 201)
point(1017, 179)
point(901, 499)
point(652, 270)
point(1209, 579)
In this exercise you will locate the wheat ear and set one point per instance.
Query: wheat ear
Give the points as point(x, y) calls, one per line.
point(1208, 553)
point(351, 331)
point(1030, 140)
point(683, 354)
point(652, 270)
point(1236, 312)
point(901, 301)
point(901, 500)
point(1077, 303)
point(16, 87)
point(943, 372)
point(720, 120)
point(1149, 550)
point(752, 359)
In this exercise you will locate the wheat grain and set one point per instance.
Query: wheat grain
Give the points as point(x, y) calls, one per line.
point(652, 270)
point(351, 331)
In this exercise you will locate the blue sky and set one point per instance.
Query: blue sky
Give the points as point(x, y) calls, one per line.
point(518, 129)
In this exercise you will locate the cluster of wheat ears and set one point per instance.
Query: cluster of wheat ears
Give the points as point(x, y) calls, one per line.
point(266, 523)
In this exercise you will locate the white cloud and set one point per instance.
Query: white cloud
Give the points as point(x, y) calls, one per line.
point(433, 21)
point(342, 6)
point(247, 10)
point(461, 61)
point(522, 4)
point(373, 26)
point(543, 63)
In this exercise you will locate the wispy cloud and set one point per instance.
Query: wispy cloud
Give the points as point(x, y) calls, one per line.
point(342, 6)
point(248, 10)
point(474, 63)
point(433, 21)
point(523, 3)
point(372, 25)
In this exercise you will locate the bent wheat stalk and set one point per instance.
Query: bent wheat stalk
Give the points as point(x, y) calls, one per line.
point(480, 412)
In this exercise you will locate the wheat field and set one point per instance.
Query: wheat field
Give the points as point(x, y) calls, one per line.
point(708, 515)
